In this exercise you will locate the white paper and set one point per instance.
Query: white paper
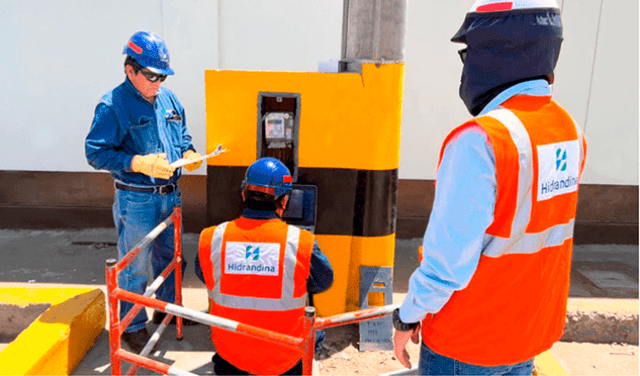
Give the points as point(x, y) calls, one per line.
point(182, 162)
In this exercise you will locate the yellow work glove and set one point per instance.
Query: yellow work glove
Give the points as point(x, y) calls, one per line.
point(154, 165)
point(190, 154)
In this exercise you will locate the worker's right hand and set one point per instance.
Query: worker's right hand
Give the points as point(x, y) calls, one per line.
point(154, 165)
point(400, 339)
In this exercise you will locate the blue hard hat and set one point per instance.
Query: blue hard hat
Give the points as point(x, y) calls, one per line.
point(268, 175)
point(150, 51)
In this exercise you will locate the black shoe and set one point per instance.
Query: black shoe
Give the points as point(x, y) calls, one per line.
point(159, 316)
point(136, 340)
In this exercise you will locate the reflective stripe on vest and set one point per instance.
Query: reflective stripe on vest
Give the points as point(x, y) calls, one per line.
point(495, 246)
point(286, 302)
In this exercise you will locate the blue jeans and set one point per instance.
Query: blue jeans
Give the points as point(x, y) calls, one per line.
point(135, 214)
point(435, 364)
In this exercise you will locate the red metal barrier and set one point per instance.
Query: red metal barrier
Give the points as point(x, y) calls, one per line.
point(306, 344)
point(114, 294)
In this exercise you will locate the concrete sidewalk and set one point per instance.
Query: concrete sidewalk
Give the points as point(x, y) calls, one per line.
point(603, 304)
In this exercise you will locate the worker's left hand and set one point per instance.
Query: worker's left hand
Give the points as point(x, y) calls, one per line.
point(190, 154)
point(400, 340)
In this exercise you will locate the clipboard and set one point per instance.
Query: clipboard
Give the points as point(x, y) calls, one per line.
point(183, 162)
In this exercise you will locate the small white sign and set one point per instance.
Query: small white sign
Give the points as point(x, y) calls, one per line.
point(558, 169)
point(252, 258)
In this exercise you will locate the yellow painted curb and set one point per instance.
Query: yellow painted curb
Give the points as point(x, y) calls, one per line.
point(57, 341)
point(546, 364)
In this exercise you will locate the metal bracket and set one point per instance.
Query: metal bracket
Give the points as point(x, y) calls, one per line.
point(376, 334)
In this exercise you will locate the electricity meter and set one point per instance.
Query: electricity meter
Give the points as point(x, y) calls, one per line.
point(278, 129)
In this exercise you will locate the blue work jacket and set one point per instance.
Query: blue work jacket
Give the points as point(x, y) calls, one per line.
point(125, 124)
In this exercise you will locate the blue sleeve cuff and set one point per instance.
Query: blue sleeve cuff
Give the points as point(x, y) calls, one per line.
point(320, 273)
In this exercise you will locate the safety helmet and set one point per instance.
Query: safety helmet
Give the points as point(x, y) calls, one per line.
point(149, 50)
point(507, 42)
point(268, 175)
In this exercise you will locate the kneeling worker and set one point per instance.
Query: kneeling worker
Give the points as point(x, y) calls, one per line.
point(258, 271)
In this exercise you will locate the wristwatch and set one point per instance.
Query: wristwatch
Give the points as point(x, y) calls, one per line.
point(399, 325)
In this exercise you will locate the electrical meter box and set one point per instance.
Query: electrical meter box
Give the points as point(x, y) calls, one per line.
point(278, 128)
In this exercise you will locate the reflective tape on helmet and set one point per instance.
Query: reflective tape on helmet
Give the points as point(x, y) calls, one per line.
point(135, 47)
point(481, 6)
point(257, 188)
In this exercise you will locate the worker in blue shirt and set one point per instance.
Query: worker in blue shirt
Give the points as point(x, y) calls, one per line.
point(138, 129)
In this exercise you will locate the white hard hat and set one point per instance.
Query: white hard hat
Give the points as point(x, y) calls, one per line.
point(501, 5)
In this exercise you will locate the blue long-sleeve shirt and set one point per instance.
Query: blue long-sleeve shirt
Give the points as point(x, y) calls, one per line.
point(463, 208)
point(320, 273)
point(125, 124)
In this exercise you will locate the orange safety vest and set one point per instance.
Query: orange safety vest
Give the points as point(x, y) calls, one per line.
point(256, 273)
point(514, 307)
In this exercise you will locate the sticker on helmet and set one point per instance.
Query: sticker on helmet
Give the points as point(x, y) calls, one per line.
point(135, 47)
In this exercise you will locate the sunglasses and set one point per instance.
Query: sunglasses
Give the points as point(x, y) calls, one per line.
point(153, 77)
point(463, 54)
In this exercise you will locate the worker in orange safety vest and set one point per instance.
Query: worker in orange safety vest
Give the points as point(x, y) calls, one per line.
point(259, 271)
point(491, 290)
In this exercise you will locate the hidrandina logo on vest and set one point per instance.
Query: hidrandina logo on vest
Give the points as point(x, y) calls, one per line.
point(558, 168)
point(252, 258)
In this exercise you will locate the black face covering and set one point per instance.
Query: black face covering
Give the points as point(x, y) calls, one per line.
point(504, 48)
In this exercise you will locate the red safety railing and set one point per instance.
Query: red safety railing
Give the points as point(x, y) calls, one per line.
point(115, 294)
point(305, 345)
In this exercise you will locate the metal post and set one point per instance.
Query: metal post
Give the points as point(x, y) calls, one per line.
point(374, 30)
point(310, 340)
point(345, 26)
point(114, 327)
point(177, 237)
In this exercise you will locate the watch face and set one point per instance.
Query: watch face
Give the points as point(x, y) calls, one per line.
point(398, 324)
point(396, 320)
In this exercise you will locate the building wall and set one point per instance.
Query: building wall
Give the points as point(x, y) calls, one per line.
point(59, 57)
point(596, 81)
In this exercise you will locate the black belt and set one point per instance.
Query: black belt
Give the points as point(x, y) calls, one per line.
point(162, 189)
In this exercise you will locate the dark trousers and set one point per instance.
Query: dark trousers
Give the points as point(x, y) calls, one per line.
point(222, 367)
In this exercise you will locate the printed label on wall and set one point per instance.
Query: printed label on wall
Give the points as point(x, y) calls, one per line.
point(558, 168)
point(252, 258)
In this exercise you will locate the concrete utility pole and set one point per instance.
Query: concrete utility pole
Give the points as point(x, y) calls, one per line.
point(374, 30)
point(373, 42)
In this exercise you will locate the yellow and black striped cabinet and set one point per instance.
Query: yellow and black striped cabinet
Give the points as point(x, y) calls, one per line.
point(346, 142)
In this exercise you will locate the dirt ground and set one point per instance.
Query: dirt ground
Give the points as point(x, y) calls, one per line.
point(340, 355)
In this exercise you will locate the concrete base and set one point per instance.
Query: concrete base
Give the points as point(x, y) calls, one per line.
point(56, 342)
point(602, 321)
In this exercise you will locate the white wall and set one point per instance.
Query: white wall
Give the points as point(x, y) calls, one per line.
point(60, 56)
point(596, 82)
point(279, 35)
point(432, 106)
